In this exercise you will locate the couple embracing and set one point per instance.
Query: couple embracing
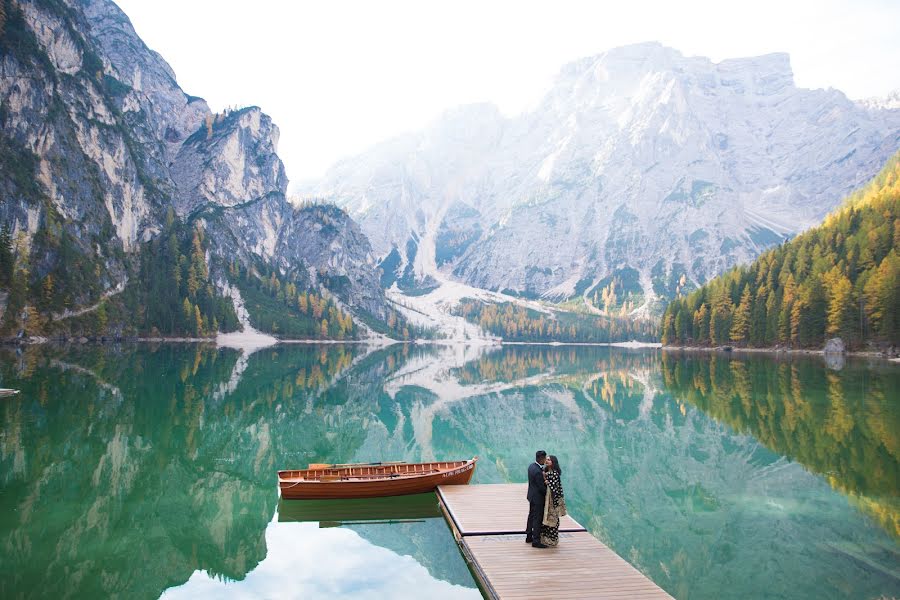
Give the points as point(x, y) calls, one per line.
point(545, 500)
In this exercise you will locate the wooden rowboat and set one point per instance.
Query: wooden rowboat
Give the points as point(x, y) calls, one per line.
point(372, 480)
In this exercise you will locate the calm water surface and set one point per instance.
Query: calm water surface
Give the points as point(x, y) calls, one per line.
point(141, 471)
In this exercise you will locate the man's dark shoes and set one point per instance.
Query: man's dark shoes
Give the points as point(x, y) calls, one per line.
point(538, 545)
point(528, 540)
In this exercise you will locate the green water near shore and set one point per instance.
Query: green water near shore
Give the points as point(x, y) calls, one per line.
point(142, 470)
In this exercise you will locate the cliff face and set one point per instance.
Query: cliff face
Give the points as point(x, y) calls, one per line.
point(640, 164)
point(98, 143)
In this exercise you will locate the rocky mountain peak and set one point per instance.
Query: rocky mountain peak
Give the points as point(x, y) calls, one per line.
point(231, 159)
point(641, 167)
point(889, 102)
point(98, 144)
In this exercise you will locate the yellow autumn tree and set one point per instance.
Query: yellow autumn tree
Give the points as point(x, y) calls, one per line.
point(839, 292)
point(740, 325)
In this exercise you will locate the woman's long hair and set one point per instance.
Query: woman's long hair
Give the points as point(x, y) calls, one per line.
point(556, 466)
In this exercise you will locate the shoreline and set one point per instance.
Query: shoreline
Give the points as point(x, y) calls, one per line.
point(776, 351)
point(242, 340)
point(254, 342)
point(631, 345)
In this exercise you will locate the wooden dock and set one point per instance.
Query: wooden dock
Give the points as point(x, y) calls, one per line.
point(488, 522)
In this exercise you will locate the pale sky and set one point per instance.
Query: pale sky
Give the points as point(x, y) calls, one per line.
point(339, 76)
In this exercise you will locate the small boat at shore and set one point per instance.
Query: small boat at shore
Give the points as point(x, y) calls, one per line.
point(7, 392)
point(372, 480)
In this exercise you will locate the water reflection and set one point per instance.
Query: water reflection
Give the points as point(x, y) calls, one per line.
point(137, 470)
point(306, 561)
point(843, 426)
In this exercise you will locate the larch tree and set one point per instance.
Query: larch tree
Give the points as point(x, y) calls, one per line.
point(740, 325)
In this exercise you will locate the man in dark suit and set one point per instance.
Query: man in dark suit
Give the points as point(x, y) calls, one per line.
point(537, 491)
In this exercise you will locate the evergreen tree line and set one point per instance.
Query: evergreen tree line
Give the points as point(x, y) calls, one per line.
point(173, 293)
point(280, 305)
point(169, 293)
point(169, 290)
point(7, 257)
point(841, 279)
point(68, 273)
point(520, 324)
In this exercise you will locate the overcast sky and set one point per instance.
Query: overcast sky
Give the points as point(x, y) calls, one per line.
point(338, 76)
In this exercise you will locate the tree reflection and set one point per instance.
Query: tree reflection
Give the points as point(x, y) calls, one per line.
point(125, 469)
point(840, 426)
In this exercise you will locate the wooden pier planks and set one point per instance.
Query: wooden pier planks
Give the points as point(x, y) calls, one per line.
point(488, 521)
point(491, 508)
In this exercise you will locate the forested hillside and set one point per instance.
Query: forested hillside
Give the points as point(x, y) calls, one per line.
point(124, 201)
point(841, 279)
point(519, 324)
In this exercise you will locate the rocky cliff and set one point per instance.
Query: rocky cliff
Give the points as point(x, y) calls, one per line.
point(642, 172)
point(98, 144)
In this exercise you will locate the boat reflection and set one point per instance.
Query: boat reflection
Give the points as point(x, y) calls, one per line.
point(357, 511)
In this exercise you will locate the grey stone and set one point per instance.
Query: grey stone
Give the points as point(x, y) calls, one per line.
point(834, 346)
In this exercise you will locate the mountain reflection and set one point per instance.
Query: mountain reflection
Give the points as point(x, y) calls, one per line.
point(134, 470)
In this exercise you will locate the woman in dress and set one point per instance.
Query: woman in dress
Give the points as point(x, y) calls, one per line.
point(555, 504)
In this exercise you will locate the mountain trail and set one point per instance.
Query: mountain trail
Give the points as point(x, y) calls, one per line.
point(67, 314)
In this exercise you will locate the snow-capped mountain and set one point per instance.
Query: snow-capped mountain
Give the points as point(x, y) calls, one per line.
point(641, 163)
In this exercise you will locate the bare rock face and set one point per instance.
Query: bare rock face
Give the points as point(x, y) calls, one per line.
point(229, 176)
point(98, 143)
point(640, 163)
point(834, 354)
point(834, 346)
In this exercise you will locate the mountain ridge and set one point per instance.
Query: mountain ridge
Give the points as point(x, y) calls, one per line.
point(638, 158)
point(102, 149)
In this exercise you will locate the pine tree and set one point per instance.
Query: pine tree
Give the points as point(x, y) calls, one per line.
point(719, 315)
point(47, 289)
point(882, 298)
point(102, 319)
point(34, 322)
point(840, 303)
point(668, 332)
point(187, 311)
point(701, 324)
point(740, 325)
point(7, 258)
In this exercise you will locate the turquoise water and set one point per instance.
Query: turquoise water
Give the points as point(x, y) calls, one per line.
point(141, 471)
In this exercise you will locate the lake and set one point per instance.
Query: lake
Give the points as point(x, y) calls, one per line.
point(146, 470)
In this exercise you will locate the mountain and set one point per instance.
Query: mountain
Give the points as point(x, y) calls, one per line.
point(641, 174)
point(841, 279)
point(891, 101)
point(102, 155)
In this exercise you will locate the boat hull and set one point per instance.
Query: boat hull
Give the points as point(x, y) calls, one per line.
point(375, 488)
